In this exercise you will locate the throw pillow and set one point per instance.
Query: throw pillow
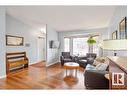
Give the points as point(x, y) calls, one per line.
point(101, 60)
point(101, 66)
point(106, 60)
point(95, 63)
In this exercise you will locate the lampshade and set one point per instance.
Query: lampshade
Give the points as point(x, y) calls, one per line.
point(120, 44)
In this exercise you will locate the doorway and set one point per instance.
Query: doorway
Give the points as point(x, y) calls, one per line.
point(41, 49)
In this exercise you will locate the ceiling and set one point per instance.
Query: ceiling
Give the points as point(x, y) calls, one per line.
point(64, 18)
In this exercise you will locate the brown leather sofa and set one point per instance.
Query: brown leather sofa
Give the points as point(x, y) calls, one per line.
point(95, 79)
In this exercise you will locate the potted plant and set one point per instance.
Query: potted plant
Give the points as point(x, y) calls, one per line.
point(90, 42)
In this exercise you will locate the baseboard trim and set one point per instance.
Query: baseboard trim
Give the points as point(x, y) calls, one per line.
point(52, 64)
point(4, 76)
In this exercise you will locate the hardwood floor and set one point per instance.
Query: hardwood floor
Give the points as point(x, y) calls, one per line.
point(37, 76)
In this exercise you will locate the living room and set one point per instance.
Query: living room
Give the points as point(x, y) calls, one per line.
point(68, 33)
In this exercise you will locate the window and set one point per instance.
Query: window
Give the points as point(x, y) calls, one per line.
point(66, 44)
point(80, 46)
point(95, 46)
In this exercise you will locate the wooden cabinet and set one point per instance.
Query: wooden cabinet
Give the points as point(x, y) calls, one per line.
point(117, 65)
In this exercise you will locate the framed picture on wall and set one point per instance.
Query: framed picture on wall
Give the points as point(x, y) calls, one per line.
point(123, 29)
point(114, 35)
point(14, 40)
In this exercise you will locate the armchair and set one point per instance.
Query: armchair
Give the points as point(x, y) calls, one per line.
point(66, 57)
point(88, 59)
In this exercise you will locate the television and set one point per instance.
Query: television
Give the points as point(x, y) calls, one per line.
point(54, 44)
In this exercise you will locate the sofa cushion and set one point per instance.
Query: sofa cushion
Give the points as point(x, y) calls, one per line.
point(90, 67)
point(101, 60)
point(67, 59)
point(101, 66)
point(83, 60)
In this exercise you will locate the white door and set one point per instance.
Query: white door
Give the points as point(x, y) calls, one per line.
point(41, 49)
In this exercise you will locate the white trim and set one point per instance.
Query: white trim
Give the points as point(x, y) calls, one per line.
point(32, 63)
point(47, 65)
point(36, 62)
point(4, 76)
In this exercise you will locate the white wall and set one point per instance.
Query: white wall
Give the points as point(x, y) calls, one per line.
point(2, 43)
point(52, 54)
point(17, 28)
point(102, 32)
point(119, 14)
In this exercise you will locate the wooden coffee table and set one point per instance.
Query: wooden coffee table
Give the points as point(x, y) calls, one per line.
point(71, 66)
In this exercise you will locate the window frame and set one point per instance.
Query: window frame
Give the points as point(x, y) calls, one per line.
point(73, 42)
point(69, 44)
